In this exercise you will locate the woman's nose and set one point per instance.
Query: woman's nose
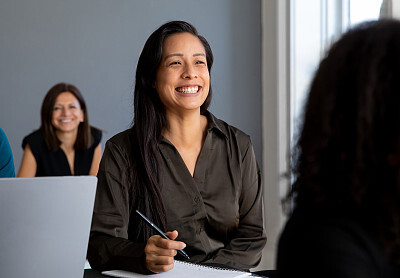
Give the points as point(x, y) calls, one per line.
point(66, 111)
point(189, 72)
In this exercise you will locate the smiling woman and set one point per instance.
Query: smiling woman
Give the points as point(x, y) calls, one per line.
point(180, 166)
point(65, 144)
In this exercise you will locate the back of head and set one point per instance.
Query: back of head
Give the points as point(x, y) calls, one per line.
point(348, 152)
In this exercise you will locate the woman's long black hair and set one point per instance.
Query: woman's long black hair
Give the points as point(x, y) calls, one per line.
point(348, 152)
point(149, 121)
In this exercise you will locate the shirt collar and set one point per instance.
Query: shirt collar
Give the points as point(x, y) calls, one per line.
point(213, 125)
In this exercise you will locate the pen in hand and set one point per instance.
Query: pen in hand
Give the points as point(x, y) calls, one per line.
point(183, 253)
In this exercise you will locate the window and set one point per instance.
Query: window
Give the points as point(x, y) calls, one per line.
point(314, 25)
point(296, 35)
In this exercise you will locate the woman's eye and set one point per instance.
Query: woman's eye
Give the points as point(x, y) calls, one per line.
point(175, 63)
point(56, 108)
point(200, 63)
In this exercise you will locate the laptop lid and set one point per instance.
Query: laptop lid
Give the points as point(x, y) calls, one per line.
point(44, 225)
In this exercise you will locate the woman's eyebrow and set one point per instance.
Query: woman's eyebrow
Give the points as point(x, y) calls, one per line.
point(181, 55)
point(172, 55)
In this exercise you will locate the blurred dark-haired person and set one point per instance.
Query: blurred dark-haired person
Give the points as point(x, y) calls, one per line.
point(346, 166)
point(6, 157)
point(193, 175)
point(65, 144)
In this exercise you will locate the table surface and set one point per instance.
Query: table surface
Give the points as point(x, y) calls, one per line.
point(91, 273)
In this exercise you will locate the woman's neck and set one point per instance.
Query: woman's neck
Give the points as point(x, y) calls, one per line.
point(185, 131)
point(67, 140)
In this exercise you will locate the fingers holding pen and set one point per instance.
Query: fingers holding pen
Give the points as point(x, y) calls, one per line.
point(160, 252)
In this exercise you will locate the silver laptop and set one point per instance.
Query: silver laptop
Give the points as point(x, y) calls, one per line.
point(44, 226)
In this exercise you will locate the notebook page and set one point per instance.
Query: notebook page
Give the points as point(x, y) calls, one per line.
point(184, 270)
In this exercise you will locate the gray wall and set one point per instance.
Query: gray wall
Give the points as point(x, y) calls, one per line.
point(95, 44)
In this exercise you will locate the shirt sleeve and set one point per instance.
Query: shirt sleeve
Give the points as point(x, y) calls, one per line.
point(248, 239)
point(6, 157)
point(109, 246)
point(36, 143)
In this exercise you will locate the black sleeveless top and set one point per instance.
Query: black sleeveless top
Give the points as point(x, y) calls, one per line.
point(55, 163)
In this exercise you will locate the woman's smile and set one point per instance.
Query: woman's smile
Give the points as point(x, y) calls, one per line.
point(188, 90)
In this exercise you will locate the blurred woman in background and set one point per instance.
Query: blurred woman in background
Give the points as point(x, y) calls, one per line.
point(65, 144)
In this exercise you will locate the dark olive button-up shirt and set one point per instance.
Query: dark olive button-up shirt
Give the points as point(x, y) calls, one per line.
point(217, 212)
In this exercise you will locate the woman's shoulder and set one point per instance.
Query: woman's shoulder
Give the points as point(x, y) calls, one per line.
point(329, 239)
point(2, 134)
point(118, 149)
point(97, 135)
point(4, 144)
point(121, 140)
point(229, 131)
point(122, 137)
point(33, 138)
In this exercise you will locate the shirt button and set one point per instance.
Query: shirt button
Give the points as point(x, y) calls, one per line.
point(196, 199)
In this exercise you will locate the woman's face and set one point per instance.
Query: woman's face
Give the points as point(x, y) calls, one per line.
point(182, 79)
point(67, 113)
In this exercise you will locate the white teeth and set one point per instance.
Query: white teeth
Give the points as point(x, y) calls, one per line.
point(188, 90)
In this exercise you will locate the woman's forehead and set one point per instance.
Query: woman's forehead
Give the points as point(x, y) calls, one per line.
point(182, 43)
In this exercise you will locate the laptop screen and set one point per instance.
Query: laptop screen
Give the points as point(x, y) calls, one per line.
point(45, 225)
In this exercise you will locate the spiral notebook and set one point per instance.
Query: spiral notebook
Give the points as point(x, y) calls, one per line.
point(184, 270)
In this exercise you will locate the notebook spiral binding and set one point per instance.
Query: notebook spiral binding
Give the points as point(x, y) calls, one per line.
point(203, 266)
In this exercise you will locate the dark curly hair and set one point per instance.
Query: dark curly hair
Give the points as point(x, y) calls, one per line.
point(348, 151)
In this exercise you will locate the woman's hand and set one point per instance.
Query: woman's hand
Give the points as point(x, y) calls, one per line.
point(160, 252)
